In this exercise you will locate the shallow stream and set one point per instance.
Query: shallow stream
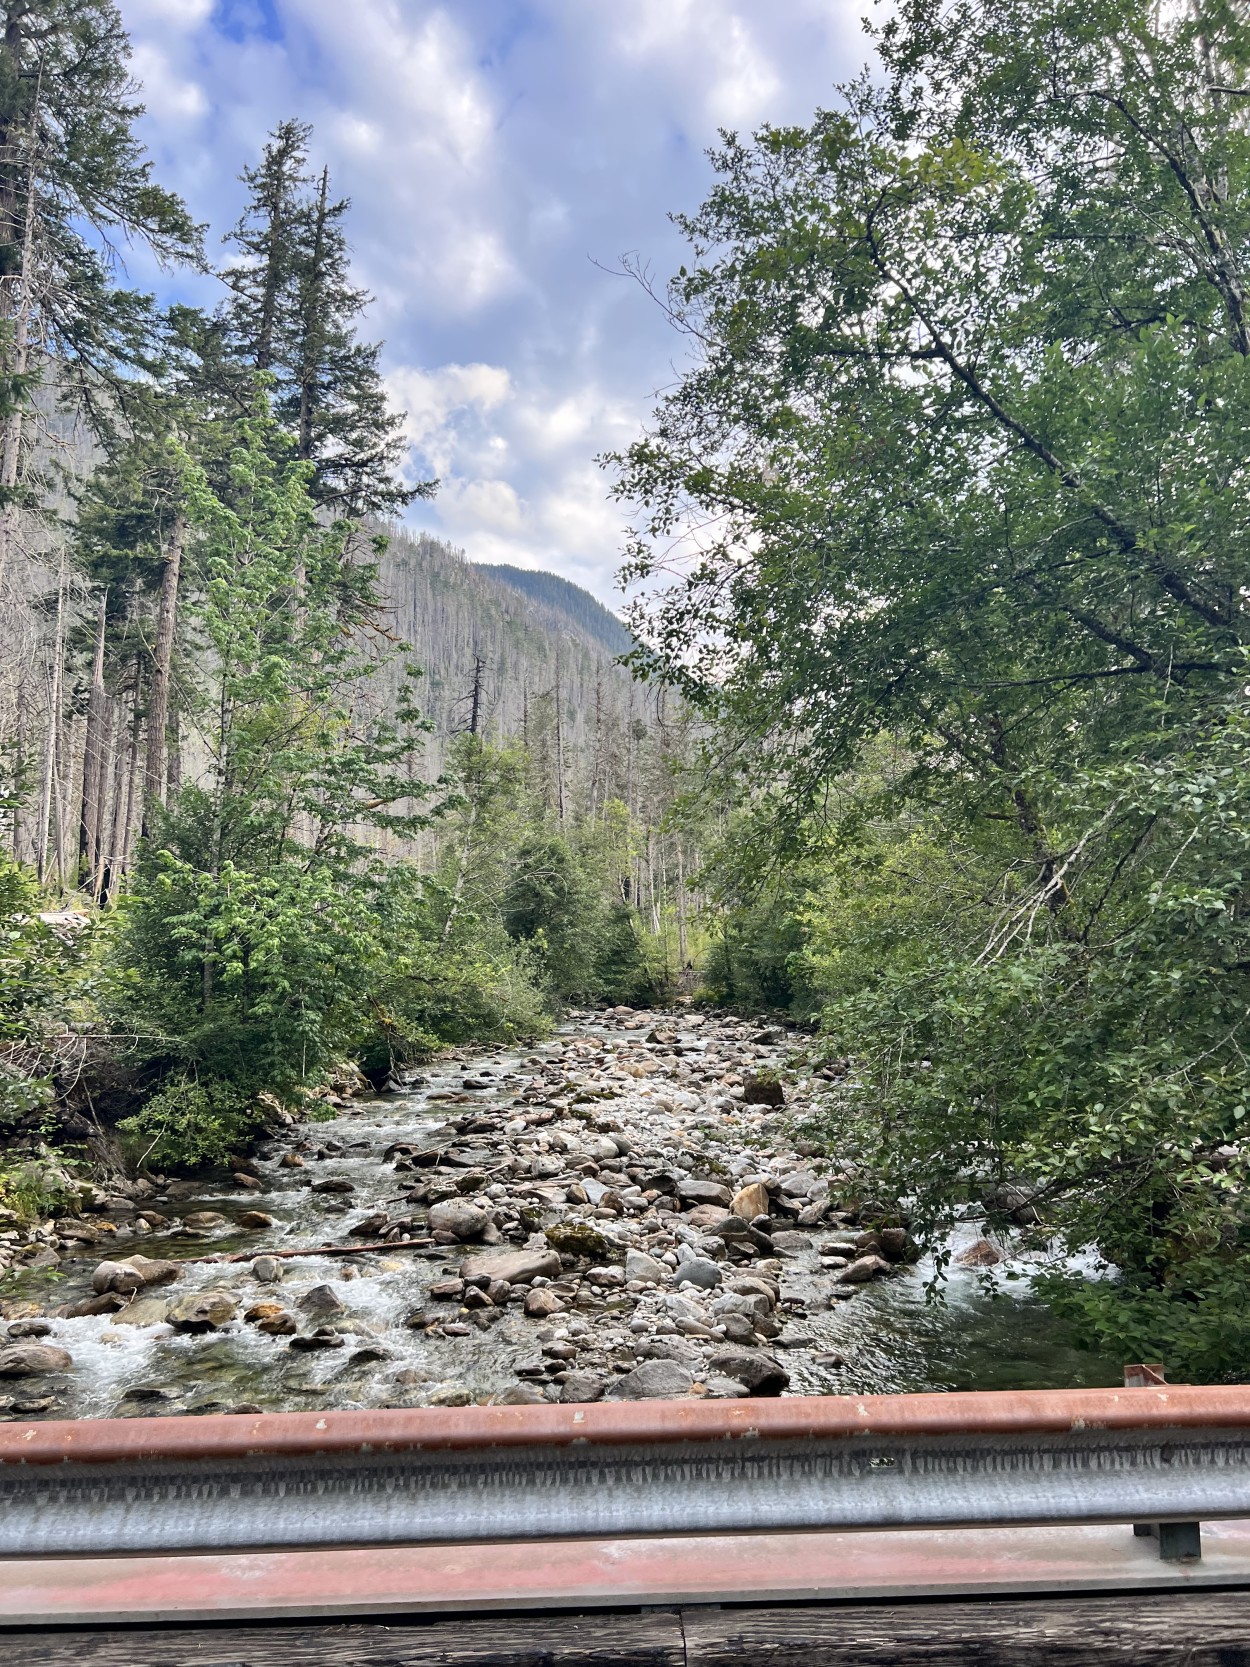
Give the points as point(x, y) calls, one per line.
point(675, 1105)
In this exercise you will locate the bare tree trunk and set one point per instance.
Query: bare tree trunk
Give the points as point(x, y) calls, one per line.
point(111, 767)
point(94, 754)
point(132, 782)
point(51, 742)
point(125, 768)
point(173, 772)
point(162, 659)
point(683, 953)
point(19, 768)
point(559, 738)
point(11, 447)
point(96, 873)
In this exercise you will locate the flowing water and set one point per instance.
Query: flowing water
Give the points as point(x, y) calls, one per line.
point(887, 1338)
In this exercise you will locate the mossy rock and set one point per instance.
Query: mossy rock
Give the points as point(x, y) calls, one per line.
point(579, 1238)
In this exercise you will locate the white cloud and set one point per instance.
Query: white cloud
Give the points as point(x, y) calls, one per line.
point(498, 158)
point(183, 16)
point(168, 96)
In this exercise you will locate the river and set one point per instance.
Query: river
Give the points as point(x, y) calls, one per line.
point(614, 1126)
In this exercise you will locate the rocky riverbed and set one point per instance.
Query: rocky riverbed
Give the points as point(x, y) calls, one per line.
point(622, 1212)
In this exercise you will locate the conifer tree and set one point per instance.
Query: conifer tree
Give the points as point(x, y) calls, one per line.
point(294, 314)
point(262, 284)
point(73, 182)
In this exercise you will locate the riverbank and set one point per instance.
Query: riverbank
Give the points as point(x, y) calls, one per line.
point(621, 1212)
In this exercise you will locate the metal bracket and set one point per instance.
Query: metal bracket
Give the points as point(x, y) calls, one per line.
point(1179, 1542)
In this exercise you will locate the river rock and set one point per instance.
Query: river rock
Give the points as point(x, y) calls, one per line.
point(108, 1302)
point(721, 1388)
point(464, 1221)
point(202, 1311)
point(22, 1329)
point(654, 1380)
point(29, 1360)
point(321, 1301)
point(789, 1243)
point(753, 1284)
point(117, 1276)
point(144, 1311)
point(709, 1217)
point(582, 1386)
point(518, 1267)
point(799, 1183)
point(290, 1160)
point(450, 1395)
point(280, 1324)
point(751, 1201)
point(268, 1269)
point(762, 1091)
point(761, 1374)
point(579, 1238)
point(262, 1311)
point(137, 1272)
point(521, 1395)
point(324, 1337)
point(703, 1192)
point(255, 1221)
point(982, 1254)
point(638, 1265)
point(862, 1269)
point(333, 1184)
point(697, 1270)
point(541, 1304)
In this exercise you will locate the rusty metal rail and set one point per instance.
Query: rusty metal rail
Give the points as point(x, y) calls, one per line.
point(1157, 1454)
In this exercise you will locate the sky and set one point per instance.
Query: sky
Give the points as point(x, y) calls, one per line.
point(502, 156)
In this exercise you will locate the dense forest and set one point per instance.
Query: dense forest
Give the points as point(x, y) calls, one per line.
point(937, 743)
point(962, 467)
point(285, 786)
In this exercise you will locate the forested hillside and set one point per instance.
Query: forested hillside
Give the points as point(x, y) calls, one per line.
point(565, 599)
point(284, 787)
point(533, 633)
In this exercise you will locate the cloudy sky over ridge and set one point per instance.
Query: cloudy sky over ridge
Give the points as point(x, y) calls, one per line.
point(499, 154)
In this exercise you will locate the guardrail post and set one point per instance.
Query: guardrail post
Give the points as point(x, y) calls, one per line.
point(1179, 1542)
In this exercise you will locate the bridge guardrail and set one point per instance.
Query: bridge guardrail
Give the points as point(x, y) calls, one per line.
point(1153, 1455)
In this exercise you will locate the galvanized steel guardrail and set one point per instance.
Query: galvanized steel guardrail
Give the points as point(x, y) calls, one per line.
point(1158, 1455)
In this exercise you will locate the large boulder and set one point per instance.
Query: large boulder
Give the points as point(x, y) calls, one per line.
point(691, 1191)
point(763, 1091)
point(638, 1265)
point(697, 1270)
point(31, 1360)
point(579, 1238)
point(750, 1201)
point(759, 1372)
point(862, 1269)
point(518, 1267)
point(462, 1220)
point(321, 1302)
point(202, 1311)
point(654, 1380)
point(144, 1311)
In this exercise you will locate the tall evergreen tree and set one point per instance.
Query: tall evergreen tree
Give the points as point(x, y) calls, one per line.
point(74, 181)
point(294, 313)
point(263, 282)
